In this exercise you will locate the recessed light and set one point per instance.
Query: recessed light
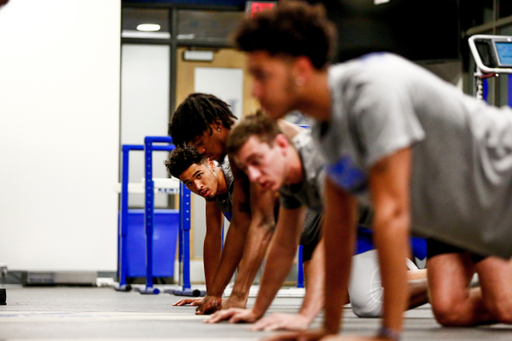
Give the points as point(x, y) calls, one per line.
point(148, 27)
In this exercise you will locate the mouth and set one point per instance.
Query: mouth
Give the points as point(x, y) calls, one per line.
point(205, 193)
point(265, 184)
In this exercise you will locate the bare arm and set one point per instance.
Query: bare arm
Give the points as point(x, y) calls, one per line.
point(314, 299)
point(389, 184)
point(258, 239)
point(212, 247)
point(312, 304)
point(339, 238)
point(339, 233)
point(279, 262)
point(233, 246)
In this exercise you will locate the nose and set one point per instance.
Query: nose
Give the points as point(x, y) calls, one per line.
point(256, 90)
point(201, 150)
point(253, 173)
point(198, 184)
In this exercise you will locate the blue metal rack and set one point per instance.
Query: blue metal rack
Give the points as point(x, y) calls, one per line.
point(184, 225)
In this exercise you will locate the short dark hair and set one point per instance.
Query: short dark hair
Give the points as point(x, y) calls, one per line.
point(182, 158)
point(259, 125)
point(194, 116)
point(291, 28)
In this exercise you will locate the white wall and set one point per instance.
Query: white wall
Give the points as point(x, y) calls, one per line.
point(59, 134)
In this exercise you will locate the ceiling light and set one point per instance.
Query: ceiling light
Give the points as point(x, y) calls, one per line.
point(148, 27)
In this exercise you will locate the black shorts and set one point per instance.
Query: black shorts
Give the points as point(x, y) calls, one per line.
point(435, 247)
point(308, 249)
point(311, 234)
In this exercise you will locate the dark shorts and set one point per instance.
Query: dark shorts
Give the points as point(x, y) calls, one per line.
point(435, 247)
point(311, 233)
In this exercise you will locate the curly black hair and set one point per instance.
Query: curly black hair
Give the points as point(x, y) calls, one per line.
point(194, 116)
point(181, 159)
point(291, 28)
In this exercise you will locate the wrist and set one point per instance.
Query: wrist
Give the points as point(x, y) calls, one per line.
point(237, 294)
point(308, 316)
point(257, 312)
point(389, 334)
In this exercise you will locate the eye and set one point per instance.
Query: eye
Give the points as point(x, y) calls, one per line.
point(261, 76)
point(199, 176)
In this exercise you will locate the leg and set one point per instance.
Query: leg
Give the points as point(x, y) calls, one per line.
point(366, 292)
point(418, 285)
point(495, 276)
point(453, 303)
point(365, 287)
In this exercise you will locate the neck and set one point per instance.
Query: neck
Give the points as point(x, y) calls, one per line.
point(222, 187)
point(316, 100)
point(295, 174)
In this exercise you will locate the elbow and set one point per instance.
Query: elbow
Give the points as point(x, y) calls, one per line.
point(266, 226)
point(392, 221)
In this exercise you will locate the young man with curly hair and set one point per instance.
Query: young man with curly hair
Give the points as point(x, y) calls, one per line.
point(394, 136)
point(215, 184)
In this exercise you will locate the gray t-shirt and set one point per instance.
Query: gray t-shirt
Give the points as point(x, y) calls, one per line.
point(224, 201)
point(308, 192)
point(461, 175)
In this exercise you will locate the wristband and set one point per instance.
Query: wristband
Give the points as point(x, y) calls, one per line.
point(389, 334)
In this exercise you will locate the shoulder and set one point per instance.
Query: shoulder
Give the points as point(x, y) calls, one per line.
point(290, 130)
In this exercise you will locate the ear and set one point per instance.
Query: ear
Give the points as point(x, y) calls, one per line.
point(211, 164)
point(216, 124)
point(303, 68)
point(281, 141)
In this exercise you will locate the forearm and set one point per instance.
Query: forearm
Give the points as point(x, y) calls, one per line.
point(212, 249)
point(314, 299)
point(339, 239)
point(231, 256)
point(256, 245)
point(390, 239)
point(339, 246)
point(278, 265)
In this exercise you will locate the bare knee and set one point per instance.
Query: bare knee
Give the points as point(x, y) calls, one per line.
point(450, 314)
point(502, 312)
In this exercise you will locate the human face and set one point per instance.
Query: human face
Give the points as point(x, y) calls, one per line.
point(273, 83)
point(211, 144)
point(201, 180)
point(262, 163)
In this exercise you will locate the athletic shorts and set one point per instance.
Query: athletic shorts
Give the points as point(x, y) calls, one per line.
point(435, 247)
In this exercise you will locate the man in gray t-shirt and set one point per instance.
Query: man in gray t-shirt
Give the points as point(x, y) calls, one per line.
point(398, 138)
point(269, 159)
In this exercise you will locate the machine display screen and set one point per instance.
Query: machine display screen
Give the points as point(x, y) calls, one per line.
point(504, 50)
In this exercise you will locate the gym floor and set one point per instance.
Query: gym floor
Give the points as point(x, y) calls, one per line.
point(86, 313)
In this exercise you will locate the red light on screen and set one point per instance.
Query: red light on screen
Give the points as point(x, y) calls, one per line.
point(260, 6)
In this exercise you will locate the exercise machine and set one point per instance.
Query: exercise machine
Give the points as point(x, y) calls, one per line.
point(493, 56)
